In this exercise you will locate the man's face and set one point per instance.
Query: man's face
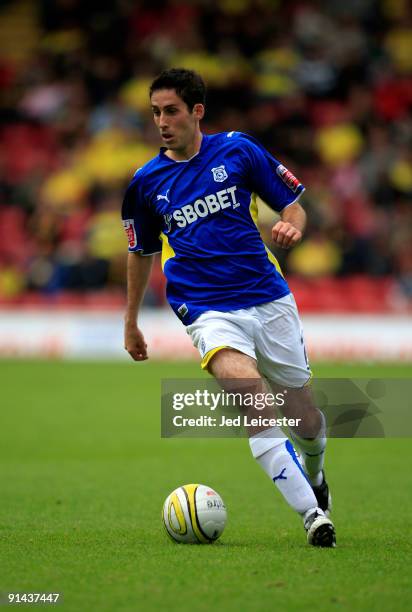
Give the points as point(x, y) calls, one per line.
point(176, 123)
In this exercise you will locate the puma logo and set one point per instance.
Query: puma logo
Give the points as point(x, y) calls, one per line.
point(163, 197)
point(280, 476)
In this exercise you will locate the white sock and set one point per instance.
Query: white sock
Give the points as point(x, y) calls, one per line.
point(277, 457)
point(313, 454)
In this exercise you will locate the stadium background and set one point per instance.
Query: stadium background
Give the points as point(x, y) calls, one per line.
point(327, 87)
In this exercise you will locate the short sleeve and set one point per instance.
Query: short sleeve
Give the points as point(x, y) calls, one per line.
point(141, 225)
point(274, 183)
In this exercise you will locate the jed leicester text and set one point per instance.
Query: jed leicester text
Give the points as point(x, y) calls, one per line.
point(208, 421)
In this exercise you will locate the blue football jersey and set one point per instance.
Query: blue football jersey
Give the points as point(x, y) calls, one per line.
point(201, 214)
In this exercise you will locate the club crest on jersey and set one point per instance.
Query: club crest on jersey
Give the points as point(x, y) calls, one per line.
point(219, 174)
point(130, 232)
point(288, 178)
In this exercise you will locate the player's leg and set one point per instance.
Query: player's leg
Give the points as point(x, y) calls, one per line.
point(236, 373)
point(282, 359)
point(309, 437)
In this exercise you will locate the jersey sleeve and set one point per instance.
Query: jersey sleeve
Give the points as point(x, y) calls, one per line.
point(141, 225)
point(274, 183)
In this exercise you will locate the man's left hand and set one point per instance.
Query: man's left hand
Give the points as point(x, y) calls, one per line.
point(285, 235)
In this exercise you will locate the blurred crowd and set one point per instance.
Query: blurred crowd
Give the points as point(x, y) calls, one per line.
point(325, 86)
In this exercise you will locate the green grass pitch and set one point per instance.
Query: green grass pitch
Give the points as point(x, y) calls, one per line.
point(83, 475)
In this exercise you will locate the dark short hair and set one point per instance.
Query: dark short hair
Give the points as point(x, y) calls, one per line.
point(188, 85)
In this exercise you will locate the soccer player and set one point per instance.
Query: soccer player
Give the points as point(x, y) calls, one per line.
point(196, 203)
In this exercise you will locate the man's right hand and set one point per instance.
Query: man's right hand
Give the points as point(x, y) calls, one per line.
point(134, 342)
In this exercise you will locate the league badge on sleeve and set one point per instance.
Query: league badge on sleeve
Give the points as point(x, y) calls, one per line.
point(219, 174)
point(288, 178)
point(130, 232)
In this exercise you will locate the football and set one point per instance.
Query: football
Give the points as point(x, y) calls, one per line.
point(194, 514)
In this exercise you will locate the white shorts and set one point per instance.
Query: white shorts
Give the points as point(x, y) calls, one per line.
point(270, 333)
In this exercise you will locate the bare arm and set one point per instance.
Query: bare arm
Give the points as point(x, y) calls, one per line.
point(138, 272)
point(289, 230)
